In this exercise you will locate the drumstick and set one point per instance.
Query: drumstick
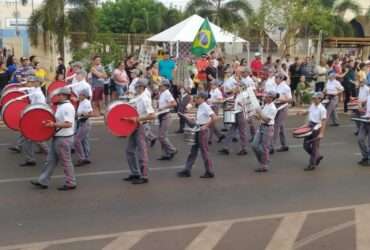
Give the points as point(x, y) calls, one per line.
point(22, 97)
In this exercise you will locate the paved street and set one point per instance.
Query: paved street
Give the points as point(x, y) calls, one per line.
point(284, 209)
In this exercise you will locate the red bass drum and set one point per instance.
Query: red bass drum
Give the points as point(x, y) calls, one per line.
point(115, 118)
point(12, 112)
point(10, 95)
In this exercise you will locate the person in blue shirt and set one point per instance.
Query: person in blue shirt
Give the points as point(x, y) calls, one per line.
point(167, 67)
point(11, 66)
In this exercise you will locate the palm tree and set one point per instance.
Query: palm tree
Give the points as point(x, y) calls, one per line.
point(54, 20)
point(222, 12)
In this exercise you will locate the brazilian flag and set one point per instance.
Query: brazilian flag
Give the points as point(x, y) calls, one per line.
point(204, 40)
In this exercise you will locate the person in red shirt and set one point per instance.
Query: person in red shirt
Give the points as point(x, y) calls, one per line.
point(201, 65)
point(256, 64)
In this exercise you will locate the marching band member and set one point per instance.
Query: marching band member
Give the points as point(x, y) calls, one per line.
point(185, 100)
point(246, 79)
point(364, 137)
point(61, 143)
point(240, 125)
point(285, 96)
point(216, 98)
point(363, 93)
point(317, 121)
point(36, 96)
point(263, 138)
point(77, 67)
point(270, 84)
point(165, 102)
point(137, 149)
point(205, 118)
point(81, 139)
point(332, 89)
point(80, 84)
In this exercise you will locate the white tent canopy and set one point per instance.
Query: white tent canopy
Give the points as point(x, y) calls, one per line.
point(186, 31)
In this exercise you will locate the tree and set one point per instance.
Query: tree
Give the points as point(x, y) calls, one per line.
point(222, 12)
point(139, 16)
point(54, 20)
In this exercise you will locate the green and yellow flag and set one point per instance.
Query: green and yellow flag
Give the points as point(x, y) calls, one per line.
point(204, 40)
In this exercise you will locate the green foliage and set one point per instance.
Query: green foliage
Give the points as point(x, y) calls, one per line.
point(139, 16)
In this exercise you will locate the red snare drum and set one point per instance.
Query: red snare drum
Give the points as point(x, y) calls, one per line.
point(32, 122)
point(302, 132)
point(10, 86)
point(115, 119)
point(12, 112)
point(55, 85)
point(10, 95)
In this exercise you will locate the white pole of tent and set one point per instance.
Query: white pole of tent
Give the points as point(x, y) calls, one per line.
point(171, 48)
point(177, 49)
point(248, 52)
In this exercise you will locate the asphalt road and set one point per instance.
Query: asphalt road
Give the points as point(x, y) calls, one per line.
point(284, 209)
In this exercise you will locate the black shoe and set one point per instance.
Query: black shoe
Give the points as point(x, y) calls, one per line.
point(283, 149)
point(310, 168)
point(235, 139)
point(224, 130)
point(209, 143)
point(131, 178)
point(362, 162)
point(15, 149)
point(224, 151)
point(222, 137)
point(87, 161)
point(272, 151)
point(152, 142)
point(173, 155)
point(261, 170)
point(319, 160)
point(207, 175)
point(164, 158)
point(356, 133)
point(334, 125)
point(39, 185)
point(179, 131)
point(28, 164)
point(80, 164)
point(184, 174)
point(66, 188)
point(140, 181)
point(242, 152)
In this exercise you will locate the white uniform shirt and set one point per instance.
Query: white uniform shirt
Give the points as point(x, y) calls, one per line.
point(84, 107)
point(284, 90)
point(317, 113)
point(241, 101)
point(131, 88)
point(270, 84)
point(248, 82)
point(230, 84)
point(65, 113)
point(204, 113)
point(36, 96)
point(215, 95)
point(270, 111)
point(363, 93)
point(143, 105)
point(333, 87)
point(164, 99)
point(80, 86)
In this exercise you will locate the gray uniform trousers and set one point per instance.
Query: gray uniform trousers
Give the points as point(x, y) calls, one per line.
point(28, 148)
point(261, 144)
point(201, 143)
point(279, 127)
point(59, 151)
point(311, 145)
point(364, 140)
point(332, 109)
point(81, 142)
point(137, 153)
point(164, 123)
point(240, 126)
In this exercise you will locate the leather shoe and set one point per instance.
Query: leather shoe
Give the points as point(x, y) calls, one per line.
point(207, 175)
point(283, 149)
point(272, 151)
point(261, 170)
point(184, 174)
point(140, 181)
point(39, 185)
point(242, 152)
point(222, 137)
point(131, 178)
point(164, 158)
point(224, 151)
point(66, 188)
point(310, 168)
point(28, 164)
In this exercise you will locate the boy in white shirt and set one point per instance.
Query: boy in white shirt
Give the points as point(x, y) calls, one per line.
point(263, 138)
point(364, 137)
point(215, 99)
point(205, 118)
point(81, 138)
point(317, 121)
point(332, 89)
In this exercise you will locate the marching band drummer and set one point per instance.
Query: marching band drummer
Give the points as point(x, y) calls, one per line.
point(240, 125)
point(36, 97)
point(317, 121)
point(263, 138)
point(363, 93)
point(332, 89)
point(215, 99)
point(165, 102)
point(364, 137)
point(205, 118)
point(80, 84)
point(61, 143)
point(185, 99)
point(81, 138)
point(285, 96)
point(137, 149)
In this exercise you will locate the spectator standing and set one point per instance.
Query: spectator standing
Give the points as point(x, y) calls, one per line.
point(321, 73)
point(349, 84)
point(120, 79)
point(256, 64)
point(201, 64)
point(61, 69)
point(11, 66)
point(98, 76)
point(167, 68)
point(3, 75)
